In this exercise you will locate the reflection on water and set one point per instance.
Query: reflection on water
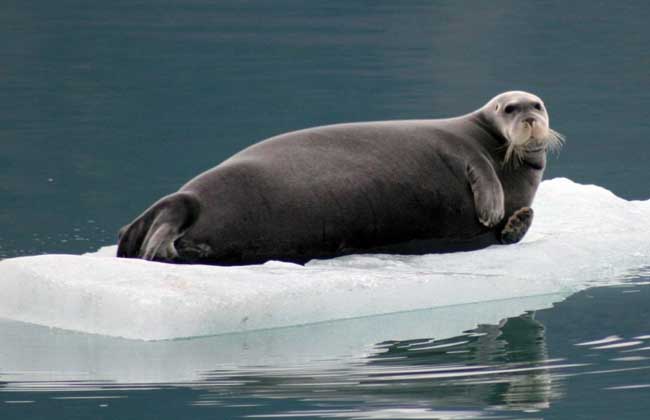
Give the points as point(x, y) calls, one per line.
point(494, 367)
point(552, 362)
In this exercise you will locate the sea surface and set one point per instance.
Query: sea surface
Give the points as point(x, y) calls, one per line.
point(107, 106)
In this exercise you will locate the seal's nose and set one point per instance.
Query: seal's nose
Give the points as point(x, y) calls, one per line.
point(529, 120)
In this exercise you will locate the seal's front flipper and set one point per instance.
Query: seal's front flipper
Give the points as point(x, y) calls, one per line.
point(517, 226)
point(488, 192)
point(152, 235)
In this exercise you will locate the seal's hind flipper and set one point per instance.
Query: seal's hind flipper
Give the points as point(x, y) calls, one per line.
point(152, 235)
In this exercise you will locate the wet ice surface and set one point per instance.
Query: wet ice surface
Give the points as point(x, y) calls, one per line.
point(582, 236)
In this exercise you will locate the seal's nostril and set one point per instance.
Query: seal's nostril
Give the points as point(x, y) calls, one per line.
point(529, 120)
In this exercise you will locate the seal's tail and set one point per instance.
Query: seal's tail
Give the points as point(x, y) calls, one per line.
point(152, 235)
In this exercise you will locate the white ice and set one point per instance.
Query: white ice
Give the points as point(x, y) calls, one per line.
point(582, 235)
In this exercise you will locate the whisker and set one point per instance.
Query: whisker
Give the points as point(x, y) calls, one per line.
point(555, 141)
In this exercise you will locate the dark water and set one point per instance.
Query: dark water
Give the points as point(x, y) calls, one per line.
point(106, 106)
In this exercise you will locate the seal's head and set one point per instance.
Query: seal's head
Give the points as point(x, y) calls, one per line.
point(522, 120)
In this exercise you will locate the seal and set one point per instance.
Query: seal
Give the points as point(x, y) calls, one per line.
point(404, 186)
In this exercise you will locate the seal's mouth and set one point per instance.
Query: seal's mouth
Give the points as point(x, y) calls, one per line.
point(535, 150)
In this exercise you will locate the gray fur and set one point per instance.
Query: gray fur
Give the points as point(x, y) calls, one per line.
point(413, 186)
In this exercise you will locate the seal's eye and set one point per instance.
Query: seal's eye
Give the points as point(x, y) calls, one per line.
point(509, 109)
point(537, 106)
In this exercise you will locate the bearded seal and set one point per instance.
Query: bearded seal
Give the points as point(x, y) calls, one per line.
point(403, 186)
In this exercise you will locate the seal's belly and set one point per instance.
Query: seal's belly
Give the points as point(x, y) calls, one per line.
point(268, 210)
